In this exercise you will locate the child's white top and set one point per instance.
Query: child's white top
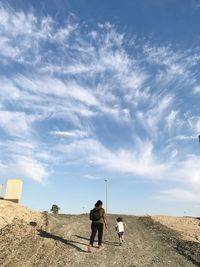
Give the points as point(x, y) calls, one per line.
point(120, 227)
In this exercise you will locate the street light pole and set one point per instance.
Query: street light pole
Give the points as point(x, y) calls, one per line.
point(106, 181)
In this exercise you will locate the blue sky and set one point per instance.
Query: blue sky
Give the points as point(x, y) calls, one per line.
point(102, 89)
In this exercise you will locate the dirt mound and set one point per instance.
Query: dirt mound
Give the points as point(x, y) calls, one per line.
point(21, 245)
point(187, 227)
point(189, 249)
point(63, 241)
point(10, 212)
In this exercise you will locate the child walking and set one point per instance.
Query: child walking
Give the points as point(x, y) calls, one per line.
point(120, 229)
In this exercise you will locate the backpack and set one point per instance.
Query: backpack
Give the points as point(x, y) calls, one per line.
point(95, 215)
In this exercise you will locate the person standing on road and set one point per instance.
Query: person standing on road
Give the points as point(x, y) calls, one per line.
point(120, 229)
point(98, 218)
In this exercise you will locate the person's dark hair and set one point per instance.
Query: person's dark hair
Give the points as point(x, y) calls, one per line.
point(98, 203)
point(119, 219)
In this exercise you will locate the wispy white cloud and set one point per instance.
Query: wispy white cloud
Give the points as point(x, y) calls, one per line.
point(28, 31)
point(57, 88)
point(184, 137)
point(170, 120)
point(187, 171)
point(141, 161)
point(26, 158)
point(174, 67)
point(179, 195)
point(8, 86)
point(151, 118)
point(64, 33)
point(196, 90)
point(173, 154)
point(73, 134)
point(90, 177)
point(15, 123)
point(194, 124)
point(24, 167)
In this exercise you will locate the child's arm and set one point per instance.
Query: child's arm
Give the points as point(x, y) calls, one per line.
point(125, 225)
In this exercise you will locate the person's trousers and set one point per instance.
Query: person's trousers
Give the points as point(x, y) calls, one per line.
point(96, 227)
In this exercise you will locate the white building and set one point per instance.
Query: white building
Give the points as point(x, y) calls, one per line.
point(14, 190)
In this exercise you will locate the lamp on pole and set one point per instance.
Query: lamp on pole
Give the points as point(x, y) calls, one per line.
point(106, 181)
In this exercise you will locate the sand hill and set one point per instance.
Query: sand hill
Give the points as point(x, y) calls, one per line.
point(188, 227)
point(10, 212)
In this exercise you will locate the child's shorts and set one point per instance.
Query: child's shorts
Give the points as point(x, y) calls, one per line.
point(120, 234)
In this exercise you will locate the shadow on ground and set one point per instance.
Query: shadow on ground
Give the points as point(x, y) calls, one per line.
point(64, 241)
point(105, 241)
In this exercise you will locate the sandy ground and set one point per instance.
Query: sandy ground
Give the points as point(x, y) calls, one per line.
point(188, 227)
point(10, 212)
point(62, 241)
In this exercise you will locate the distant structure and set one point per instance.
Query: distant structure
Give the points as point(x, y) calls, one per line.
point(14, 190)
point(1, 186)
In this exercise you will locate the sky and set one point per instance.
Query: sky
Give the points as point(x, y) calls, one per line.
point(93, 90)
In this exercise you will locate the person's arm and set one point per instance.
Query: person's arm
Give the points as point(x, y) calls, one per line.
point(105, 220)
point(125, 225)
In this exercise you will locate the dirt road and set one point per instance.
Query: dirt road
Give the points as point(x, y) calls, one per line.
point(64, 243)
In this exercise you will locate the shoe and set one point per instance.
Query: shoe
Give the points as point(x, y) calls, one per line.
point(100, 248)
